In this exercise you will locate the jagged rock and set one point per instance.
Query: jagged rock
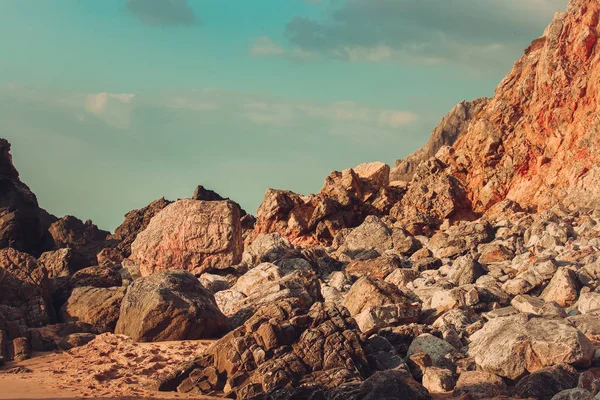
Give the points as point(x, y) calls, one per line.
point(62, 262)
point(432, 197)
point(551, 158)
point(99, 307)
point(191, 235)
point(171, 305)
point(547, 382)
point(267, 247)
point(573, 394)
point(21, 227)
point(84, 237)
point(465, 270)
point(563, 288)
point(135, 222)
point(201, 193)
point(515, 345)
point(378, 268)
point(438, 380)
point(368, 292)
point(437, 349)
point(76, 340)
point(25, 287)
point(588, 302)
point(284, 343)
point(479, 385)
point(444, 134)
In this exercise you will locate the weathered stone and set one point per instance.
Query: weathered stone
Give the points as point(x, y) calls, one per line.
point(368, 292)
point(371, 319)
point(378, 268)
point(512, 346)
point(547, 382)
point(267, 247)
point(99, 307)
point(479, 385)
point(21, 349)
point(563, 288)
point(135, 222)
point(465, 270)
point(434, 347)
point(76, 340)
point(171, 305)
point(438, 380)
point(191, 235)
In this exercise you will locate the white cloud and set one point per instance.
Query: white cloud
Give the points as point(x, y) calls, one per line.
point(264, 46)
point(285, 115)
point(113, 108)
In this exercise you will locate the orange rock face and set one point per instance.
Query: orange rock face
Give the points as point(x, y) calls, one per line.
point(191, 235)
point(537, 141)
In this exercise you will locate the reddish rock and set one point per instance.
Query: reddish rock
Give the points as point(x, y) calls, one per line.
point(135, 222)
point(191, 235)
point(535, 142)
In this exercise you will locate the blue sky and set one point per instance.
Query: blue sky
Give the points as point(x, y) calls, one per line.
point(110, 104)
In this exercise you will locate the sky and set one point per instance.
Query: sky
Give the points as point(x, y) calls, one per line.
point(112, 104)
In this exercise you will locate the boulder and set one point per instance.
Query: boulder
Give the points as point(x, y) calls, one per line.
point(192, 235)
point(433, 196)
point(563, 288)
point(135, 222)
point(25, 289)
point(372, 234)
point(547, 382)
point(368, 292)
point(99, 307)
point(588, 302)
point(170, 305)
point(62, 262)
point(267, 247)
point(438, 380)
point(437, 349)
point(479, 385)
point(516, 345)
point(378, 268)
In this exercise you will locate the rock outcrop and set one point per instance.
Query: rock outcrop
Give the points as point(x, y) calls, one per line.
point(535, 142)
point(445, 134)
point(20, 224)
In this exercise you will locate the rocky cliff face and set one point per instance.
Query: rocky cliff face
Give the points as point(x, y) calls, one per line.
point(536, 141)
point(445, 134)
point(20, 225)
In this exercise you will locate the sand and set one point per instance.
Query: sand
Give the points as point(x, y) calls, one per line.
point(110, 366)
